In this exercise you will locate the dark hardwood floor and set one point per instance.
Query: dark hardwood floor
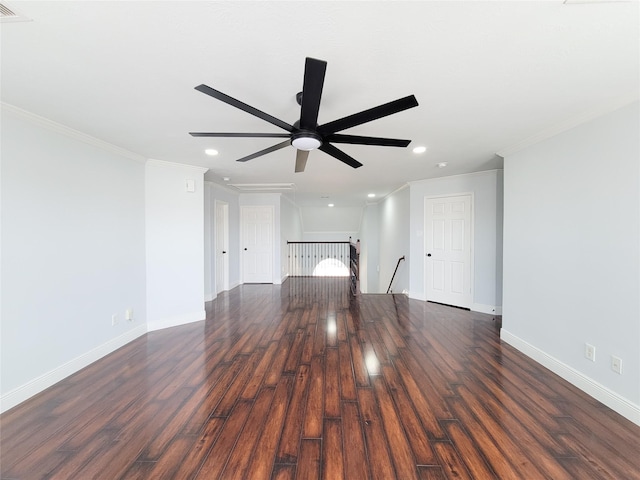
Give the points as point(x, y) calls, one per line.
point(304, 381)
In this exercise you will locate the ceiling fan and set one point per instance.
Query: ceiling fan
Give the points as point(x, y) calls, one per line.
point(305, 134)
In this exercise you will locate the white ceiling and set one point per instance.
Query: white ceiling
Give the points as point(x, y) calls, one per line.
point(487, 75)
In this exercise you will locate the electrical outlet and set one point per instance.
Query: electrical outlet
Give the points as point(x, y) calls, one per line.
point(616, 364)
point(114, 320)
point(590, 352)
point(128, 315)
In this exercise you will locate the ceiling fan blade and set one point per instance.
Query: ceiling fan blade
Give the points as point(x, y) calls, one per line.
point(243, 106)
point(314, 71)
point(339, 154)
point(286, 143)
point(368, 115)
point(301, 160)
point(236, 135)
point(358, 140)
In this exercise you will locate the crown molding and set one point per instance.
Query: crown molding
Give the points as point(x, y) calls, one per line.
point(70, 132)
point(567, 125)
point(164, 163)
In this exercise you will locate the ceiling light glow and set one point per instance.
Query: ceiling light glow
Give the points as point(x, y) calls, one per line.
point(306, 140)
point(420, 149)
point(371, 195)
point(212, 152)
point(442, 164)
point(331, 205)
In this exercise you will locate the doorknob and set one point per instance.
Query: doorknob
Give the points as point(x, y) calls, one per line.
point(245, 248)
point(428, 254)
point(224, 251)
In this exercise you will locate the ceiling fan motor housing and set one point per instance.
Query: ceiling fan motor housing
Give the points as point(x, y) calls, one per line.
point(306, 140)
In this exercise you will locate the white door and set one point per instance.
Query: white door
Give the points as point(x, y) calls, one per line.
point(222, 246)
point(448, 250)
point(257, 243)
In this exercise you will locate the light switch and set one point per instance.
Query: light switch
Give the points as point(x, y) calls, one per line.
point(191, 185)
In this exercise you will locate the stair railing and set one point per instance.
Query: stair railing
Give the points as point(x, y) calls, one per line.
point(394, 273)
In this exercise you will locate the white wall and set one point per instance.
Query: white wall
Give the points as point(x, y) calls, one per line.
point(73, 252)
point(174, 244)
point(394, 241)
point(290, 231)
point(572, 255)
point(487, 219)
point(209, 238)
point(329, 224)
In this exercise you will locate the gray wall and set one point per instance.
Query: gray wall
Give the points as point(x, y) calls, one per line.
point(394, 241)
point(572, 256)
point(73, 252)
point(486, 248)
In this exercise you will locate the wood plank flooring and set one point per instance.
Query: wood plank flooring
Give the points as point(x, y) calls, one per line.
point(304, 381)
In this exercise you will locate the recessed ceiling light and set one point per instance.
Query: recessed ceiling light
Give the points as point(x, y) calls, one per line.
point(420, 149)
point(211, 152)
point(442, 164)
point(226, 179)
point(371, 195)
point(331, 205)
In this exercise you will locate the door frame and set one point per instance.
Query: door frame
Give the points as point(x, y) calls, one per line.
point(471, 242)
point(273, 240)
point(225, 258)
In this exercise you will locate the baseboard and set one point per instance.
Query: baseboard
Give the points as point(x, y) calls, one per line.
point(37, 385)
point(176, 321)
point(489, 309)
point(601, 393)
point(420, 296)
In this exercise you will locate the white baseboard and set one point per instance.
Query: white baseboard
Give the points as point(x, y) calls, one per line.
point(601, 393)
point(37, 385)
point(418, 296)
point(489, 309)
point(175, 321)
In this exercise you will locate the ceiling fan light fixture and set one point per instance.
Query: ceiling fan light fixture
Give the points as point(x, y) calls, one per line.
point(306, 140)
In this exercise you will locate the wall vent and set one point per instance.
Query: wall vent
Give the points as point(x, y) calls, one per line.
point(10, 14)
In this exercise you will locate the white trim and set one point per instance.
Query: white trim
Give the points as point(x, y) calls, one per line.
point(601, 393)
point(209, 297)
point(418, 296)
point(566, 125)
point(384, 198)
point(164, 163)
point(435, 179)
point(70, 132)
point(323, 232)
point(38, 384)
point(176, 321)
point(489, 309)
